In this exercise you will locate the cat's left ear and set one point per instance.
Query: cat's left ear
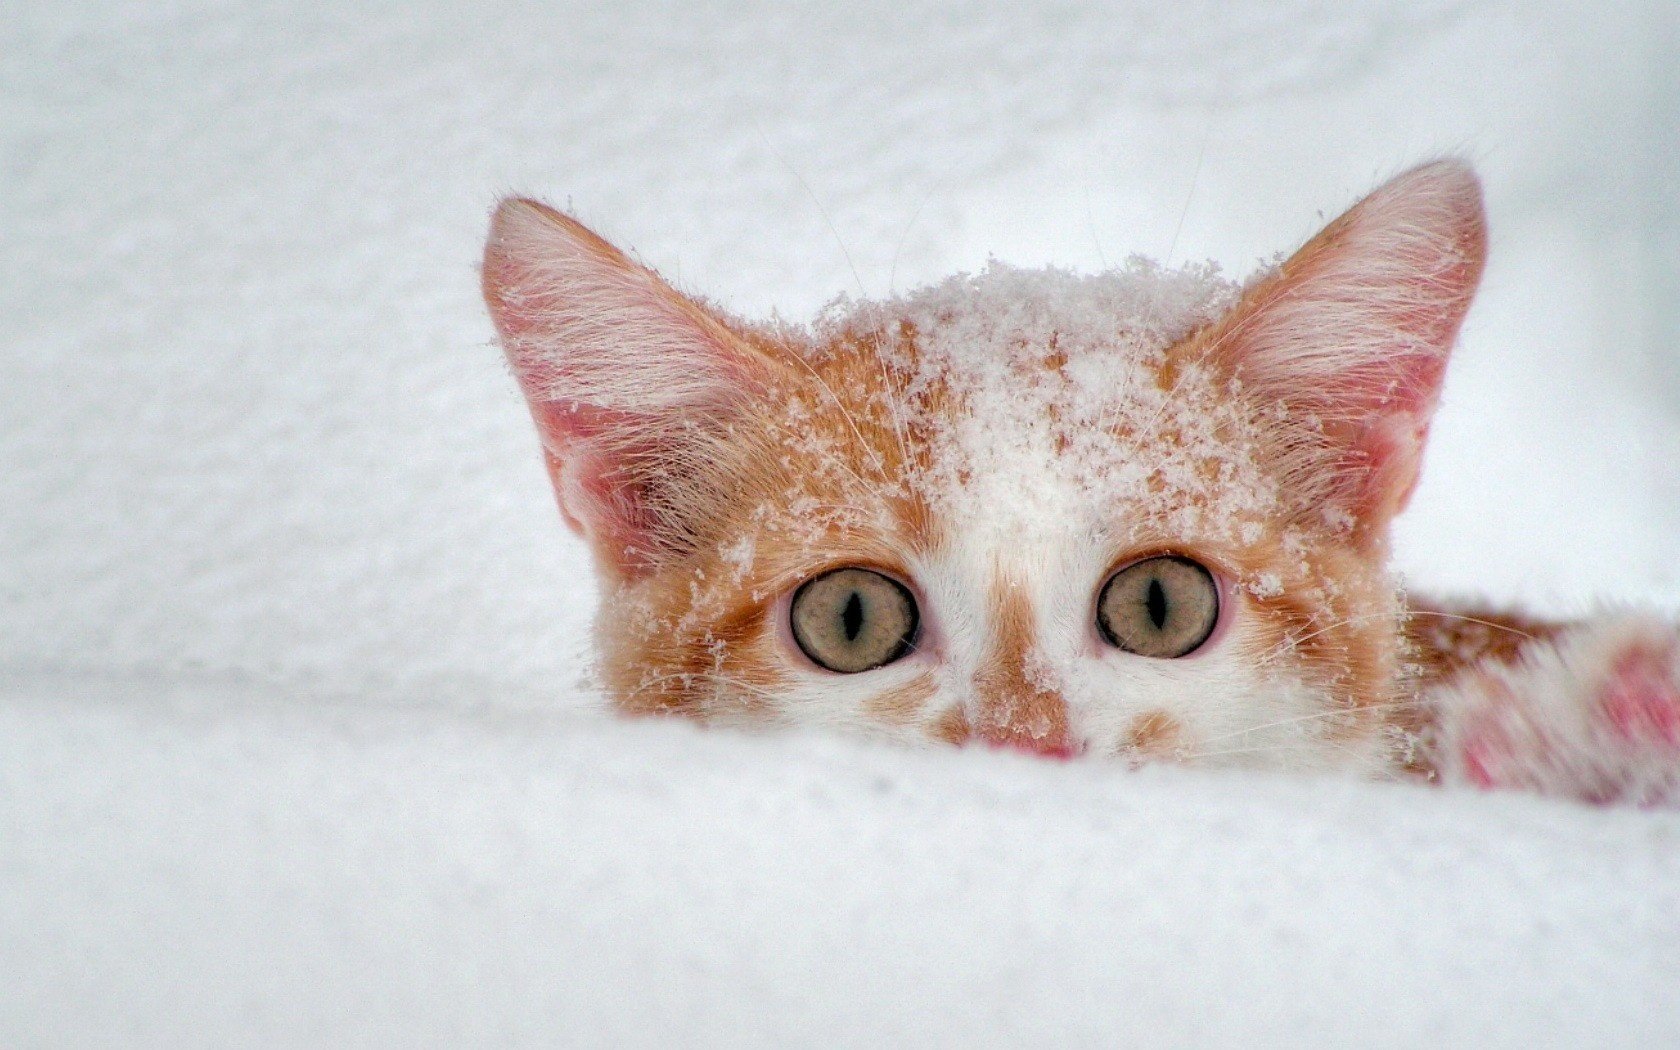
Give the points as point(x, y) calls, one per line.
point(1345, 345)
point(637, 391)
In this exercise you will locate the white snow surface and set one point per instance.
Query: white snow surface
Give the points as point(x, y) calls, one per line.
point(295, 747)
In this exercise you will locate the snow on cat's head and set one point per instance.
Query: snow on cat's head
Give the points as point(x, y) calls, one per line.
point(1140, 514)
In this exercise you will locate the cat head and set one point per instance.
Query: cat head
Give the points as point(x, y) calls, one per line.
point(1141, 514)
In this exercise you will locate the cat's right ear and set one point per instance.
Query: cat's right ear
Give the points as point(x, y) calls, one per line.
point(625, 378)
point(1344, 346)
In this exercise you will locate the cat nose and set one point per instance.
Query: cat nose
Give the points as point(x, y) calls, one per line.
point(1053, 744)
point(1011, 709)
point(1014, 704)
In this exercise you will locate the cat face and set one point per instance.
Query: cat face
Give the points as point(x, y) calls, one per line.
point(1142, 514)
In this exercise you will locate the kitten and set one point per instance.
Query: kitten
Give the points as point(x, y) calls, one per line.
point(1143, 514)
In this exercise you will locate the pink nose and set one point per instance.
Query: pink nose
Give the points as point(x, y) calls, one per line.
point(1046, 739)
point(1013, 705)
point(1042, 749)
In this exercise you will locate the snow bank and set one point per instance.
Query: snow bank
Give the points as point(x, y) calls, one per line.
point(194, 865)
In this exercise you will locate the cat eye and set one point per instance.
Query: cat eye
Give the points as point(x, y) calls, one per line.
point(1165, 606)
point(852, 620)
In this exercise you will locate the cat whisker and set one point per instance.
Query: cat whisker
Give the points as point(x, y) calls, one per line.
point(1327, 714)
point(1091, 225)
point(892, 276)
point(828, 220)
point(850, 509)
point(705, 676)
point(1507, 628)
point(1291, 643)
point(1315, 749)
point(862, 292)
point(894, 404)
point(845, 414)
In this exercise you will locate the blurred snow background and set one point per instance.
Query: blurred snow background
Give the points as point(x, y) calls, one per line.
point(290, 634)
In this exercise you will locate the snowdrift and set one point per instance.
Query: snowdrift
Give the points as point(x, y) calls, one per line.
point(200, 866)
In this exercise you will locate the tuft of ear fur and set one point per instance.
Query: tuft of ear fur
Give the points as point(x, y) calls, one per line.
point(632, 385)
point(1347, 342)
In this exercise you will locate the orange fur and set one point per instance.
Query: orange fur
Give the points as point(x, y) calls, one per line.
point(1014, 708)
point(1153, 735)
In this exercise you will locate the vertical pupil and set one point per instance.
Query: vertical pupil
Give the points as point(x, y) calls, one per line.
point(852, 617)
point(1156, 603)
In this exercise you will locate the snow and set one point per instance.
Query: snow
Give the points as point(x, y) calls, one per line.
point(984, 339)
point(293, 746)
point(227, 870)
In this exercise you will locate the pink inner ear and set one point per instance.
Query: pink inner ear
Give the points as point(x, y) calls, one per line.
point(618, 369)
point(1391, 453)
point(597, 495)
point(608, 510)
point(1351, 335)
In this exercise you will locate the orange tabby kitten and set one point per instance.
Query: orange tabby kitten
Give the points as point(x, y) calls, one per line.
point(1143, 514)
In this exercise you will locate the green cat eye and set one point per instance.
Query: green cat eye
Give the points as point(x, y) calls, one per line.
point(1165, 607)
point(852, 620)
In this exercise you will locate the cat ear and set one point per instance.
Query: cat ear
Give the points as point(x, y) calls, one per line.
point(1347, 342)
point(626, 378)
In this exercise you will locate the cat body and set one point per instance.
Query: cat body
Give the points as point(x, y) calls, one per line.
point(1141, 515)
